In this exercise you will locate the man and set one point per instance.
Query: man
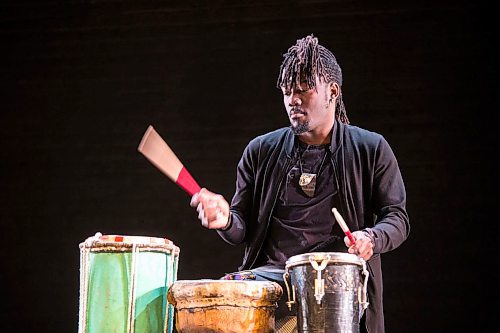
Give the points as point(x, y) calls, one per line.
point(288, 181)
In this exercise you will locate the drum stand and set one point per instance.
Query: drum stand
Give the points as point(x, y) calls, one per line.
point(286, 325)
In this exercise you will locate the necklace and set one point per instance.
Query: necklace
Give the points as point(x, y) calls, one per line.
point(307, 181)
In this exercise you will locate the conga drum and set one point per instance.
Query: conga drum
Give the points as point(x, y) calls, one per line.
point(225, 306)
point(124, 282)
point(329, 290)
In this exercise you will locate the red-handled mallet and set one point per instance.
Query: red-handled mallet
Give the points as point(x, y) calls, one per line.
point(343, 225)
point(156, 150)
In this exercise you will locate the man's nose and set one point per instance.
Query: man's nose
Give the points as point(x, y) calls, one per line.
point(295, 100)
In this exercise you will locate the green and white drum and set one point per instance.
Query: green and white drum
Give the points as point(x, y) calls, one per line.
point(124, 282)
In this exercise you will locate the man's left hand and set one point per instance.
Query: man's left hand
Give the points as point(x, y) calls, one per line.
point(363, 247)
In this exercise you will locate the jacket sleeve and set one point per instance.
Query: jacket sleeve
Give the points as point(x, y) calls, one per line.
point(241, 204)
point(392, 225)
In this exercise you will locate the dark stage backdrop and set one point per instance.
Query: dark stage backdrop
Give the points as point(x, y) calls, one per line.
point(82, 80)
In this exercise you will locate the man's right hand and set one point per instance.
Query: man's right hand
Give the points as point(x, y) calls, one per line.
point(212, 208)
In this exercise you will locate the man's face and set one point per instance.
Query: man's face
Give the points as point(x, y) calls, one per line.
point(308, 109)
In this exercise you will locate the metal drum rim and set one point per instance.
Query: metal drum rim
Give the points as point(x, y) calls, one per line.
point(339, 257)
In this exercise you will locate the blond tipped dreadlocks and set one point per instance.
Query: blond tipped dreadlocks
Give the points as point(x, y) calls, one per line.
point(306, 60)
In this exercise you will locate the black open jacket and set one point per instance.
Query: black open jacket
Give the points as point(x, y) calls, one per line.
point(371, 189)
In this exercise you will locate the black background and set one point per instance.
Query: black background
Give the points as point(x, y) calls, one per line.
point(82, 80)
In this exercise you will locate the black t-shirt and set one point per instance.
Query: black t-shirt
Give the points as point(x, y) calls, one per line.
point(299, 222)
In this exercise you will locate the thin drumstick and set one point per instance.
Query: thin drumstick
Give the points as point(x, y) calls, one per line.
point(343, 225)
point(157, 151)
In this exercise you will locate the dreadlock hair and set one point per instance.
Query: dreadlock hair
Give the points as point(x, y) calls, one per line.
point(308, 60)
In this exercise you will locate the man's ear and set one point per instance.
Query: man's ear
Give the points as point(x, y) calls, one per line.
point(334, 90)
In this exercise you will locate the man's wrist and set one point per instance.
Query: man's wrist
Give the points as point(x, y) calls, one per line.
point(369, 233)
point(229, 223)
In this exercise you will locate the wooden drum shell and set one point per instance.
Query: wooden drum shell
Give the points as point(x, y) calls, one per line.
point(224, 305)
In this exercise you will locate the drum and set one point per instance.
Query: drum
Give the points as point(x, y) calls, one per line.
point(229, 306)
point(124, 282)
point(329, 289)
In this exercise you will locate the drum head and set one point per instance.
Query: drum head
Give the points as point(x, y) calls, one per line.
point(100, 242)
point(207, 292)
point(331, 257)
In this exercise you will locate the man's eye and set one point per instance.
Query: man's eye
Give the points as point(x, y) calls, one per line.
point(287, 93)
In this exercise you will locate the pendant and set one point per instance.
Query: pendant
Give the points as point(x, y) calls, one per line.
point(307, 182)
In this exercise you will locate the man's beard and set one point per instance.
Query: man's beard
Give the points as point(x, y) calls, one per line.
point(300, 128)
